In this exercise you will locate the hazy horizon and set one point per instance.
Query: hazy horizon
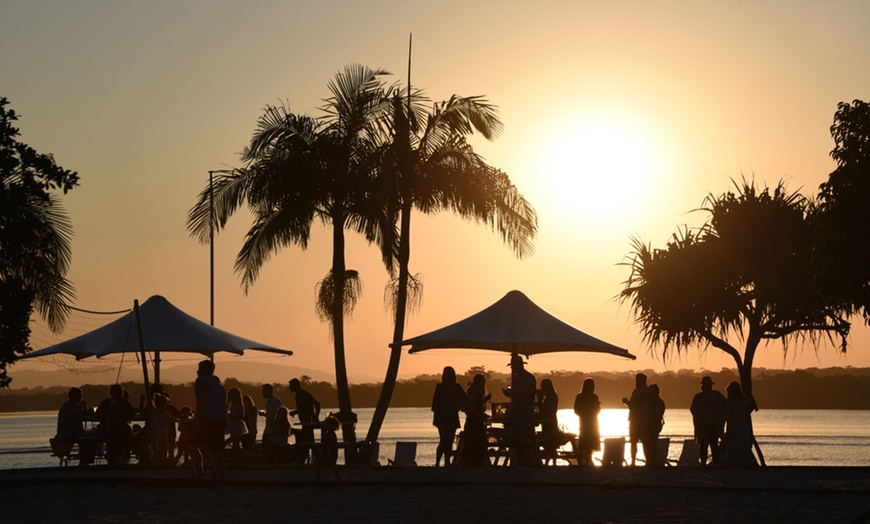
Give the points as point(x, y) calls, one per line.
point(619, 120)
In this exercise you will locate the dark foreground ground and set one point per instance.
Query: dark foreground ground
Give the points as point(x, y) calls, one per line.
point(426, 494)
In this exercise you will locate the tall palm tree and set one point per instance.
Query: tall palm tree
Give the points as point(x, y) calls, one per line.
point(434, 168)
point(299, 169)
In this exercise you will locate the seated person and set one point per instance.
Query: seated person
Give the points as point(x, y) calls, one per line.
point(279, 440)
point(114, 414)
point(69, 425)
point(328, 456)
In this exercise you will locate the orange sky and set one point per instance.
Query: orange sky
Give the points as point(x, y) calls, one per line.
point(618, 122)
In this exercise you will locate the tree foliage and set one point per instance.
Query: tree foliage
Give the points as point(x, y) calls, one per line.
point(842, 216)
point(747, 275)
point(35, 241)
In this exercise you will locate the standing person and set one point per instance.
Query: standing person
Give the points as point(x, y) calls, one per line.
point(587, 407)
point(522, 415)
point(251, 416)
point(210, 420)
point(159, 420)
point(307, 409)
point(738, 432)
point(447, 401)
point(236, 426)
point(655, 422)
point(708, 417)
point(548, 407)
point(328, 455)
point(272, 405)
point(474, 434)
point(637, 413)
point(185, 428)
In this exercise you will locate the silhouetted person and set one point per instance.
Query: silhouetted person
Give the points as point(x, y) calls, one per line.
point(708, 417)
point(272, 405)
point(251, 418)
point(738, 432)
point(114, 414)
point(447, 401)
point(328, 456)
point(210, 420)
point(307, 409)
point(474, 444)
point(522, 415)
point(548, 407)
point(655, 422)
point(587, 407)
point(70, 427)
point(236, 426)
point(638, 412)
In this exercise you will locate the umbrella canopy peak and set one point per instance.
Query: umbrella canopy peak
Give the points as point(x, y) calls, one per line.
point(513, 324)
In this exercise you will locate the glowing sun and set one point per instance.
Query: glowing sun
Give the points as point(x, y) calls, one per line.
point(599, 170)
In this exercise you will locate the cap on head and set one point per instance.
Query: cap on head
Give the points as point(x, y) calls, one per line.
point(516, 360)
point(707, 380)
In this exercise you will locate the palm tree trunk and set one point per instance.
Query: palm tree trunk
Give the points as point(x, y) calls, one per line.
point(345, 413)
point(403, 257)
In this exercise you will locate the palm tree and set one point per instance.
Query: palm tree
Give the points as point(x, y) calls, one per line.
point(35, 241)
point(299, 169)
point(434, 168)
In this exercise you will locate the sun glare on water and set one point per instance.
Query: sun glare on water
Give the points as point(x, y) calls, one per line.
point(599, 170)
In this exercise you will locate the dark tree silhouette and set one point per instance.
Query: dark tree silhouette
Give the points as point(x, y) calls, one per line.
point(747, 275)
point(35, 238)
point(298, 170)
point(842, 216)
point(430, 167)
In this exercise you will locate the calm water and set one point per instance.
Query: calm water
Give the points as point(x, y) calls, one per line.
point(786, 437)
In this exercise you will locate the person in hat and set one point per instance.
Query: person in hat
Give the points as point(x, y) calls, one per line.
point(522, 414)
point(708, 416)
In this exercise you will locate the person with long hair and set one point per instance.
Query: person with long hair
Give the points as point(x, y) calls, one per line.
point(587, 407)
point(474, 448)
point(738, 427)
point(548, 407)
point(447, 401)
point(251, 415)
point(236, 426)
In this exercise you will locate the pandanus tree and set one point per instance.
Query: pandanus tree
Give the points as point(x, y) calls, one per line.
point(429, 166)
point(747, 276)
point(299, 170)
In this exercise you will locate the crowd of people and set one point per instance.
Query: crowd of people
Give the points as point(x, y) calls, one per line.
point(719, 422)
point(157, 434)
point(223, 419)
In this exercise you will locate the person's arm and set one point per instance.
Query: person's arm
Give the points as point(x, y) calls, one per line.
point(316, 408)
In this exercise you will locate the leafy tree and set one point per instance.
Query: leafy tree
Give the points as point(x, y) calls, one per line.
point(842, 216)
point(301, 169)
point(430, 168)
point(35, 241)
point(746, 275)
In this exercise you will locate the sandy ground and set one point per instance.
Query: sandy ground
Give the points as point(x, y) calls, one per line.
point(428, 494)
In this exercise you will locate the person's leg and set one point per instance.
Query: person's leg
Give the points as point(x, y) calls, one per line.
point(196, 461)
point(633, 449)
point(714, 450)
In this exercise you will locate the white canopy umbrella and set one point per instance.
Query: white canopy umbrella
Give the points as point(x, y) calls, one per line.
point(514, 324)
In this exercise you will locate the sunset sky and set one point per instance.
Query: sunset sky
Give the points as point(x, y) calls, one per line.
point(620, 117)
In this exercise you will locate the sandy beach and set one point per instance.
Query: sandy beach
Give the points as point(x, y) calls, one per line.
point(428, 494)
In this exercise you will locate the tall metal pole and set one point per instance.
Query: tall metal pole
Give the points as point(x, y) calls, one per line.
point(211, 243)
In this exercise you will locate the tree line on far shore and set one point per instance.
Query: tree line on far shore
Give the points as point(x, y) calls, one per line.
point(814, 388)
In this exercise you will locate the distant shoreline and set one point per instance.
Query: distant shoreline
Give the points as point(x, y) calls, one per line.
point(829, 388)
